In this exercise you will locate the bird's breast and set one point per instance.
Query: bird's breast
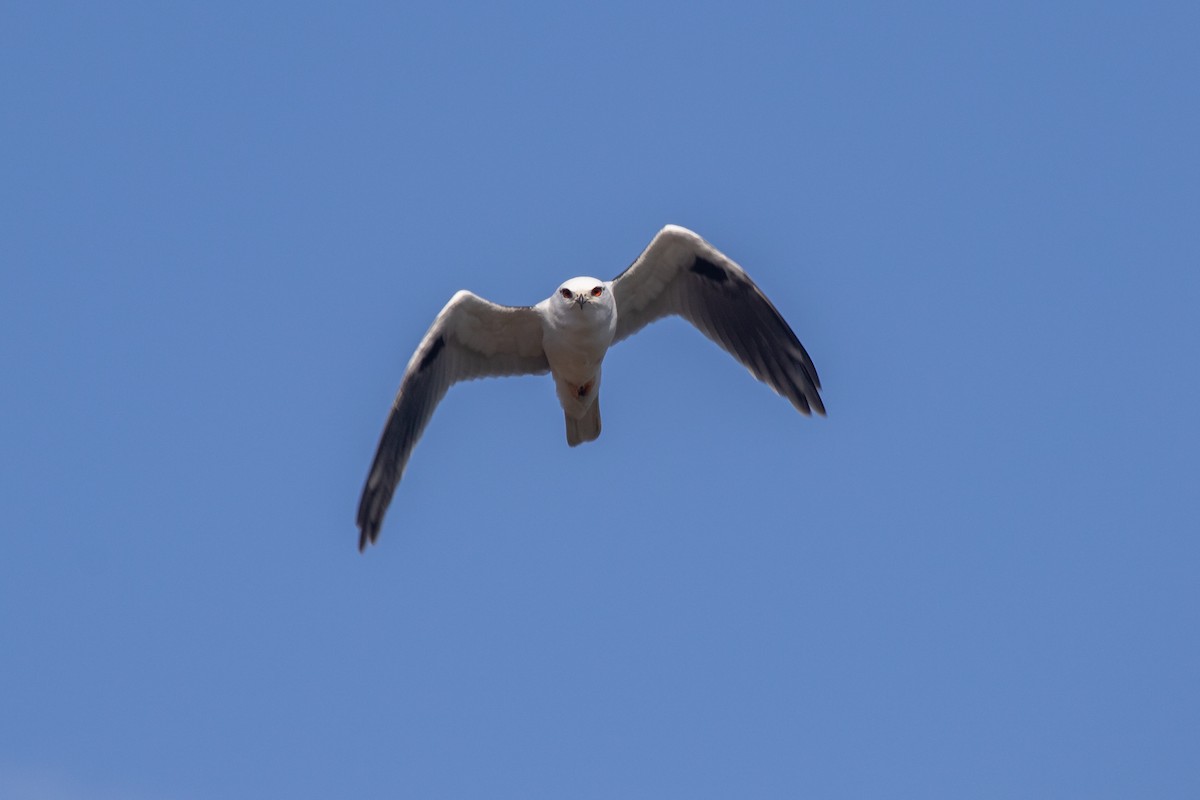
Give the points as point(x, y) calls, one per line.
point(575, 347)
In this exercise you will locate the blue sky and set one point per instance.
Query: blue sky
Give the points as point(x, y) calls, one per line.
point(225, 228)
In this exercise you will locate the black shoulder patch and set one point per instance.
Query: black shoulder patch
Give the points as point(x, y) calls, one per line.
point(434, 349)
point(707, 269)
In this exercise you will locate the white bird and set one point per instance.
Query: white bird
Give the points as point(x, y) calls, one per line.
point(568, 335)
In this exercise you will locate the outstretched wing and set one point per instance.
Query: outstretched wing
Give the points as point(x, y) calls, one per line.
point(680, 273)
point(471, 338)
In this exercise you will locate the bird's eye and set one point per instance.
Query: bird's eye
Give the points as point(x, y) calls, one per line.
point(565, 293)
point(596, 292)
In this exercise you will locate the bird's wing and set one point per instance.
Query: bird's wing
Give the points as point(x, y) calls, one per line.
point(471, 338)
point(680, 273)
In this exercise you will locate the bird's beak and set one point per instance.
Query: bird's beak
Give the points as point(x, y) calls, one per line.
point(580, 300)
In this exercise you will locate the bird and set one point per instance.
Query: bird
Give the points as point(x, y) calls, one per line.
point(568, 335)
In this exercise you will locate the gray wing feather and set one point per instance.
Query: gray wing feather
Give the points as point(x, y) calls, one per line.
point(680, 273)
point(471, 338)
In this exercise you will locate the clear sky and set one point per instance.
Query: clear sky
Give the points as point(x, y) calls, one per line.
point(224, 228)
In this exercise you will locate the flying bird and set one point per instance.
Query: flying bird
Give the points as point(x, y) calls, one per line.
point(569, 333)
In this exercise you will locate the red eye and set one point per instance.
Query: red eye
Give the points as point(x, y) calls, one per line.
point(599, 290)
point(565, 293)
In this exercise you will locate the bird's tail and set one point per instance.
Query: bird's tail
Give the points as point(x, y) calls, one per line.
point(585, 428)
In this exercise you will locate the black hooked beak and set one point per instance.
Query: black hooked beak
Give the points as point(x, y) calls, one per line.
point(580, 299)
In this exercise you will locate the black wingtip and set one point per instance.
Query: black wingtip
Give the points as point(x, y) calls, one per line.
point(816, 403)
point(368, 535)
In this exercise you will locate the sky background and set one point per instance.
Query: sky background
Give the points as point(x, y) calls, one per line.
point(225, 227)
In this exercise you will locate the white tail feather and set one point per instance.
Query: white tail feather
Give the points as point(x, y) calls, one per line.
point(586, 428)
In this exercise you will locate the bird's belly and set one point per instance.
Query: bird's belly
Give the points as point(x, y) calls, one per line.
point(576, 356)
point(575, 364)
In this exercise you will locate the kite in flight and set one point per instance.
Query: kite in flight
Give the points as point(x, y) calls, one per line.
point(568, 335)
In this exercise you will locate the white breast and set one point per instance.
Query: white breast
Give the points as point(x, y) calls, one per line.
point(576, 339)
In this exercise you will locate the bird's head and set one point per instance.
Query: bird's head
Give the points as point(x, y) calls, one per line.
point(584, 293)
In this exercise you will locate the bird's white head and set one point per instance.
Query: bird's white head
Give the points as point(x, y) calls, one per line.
point(584, 294)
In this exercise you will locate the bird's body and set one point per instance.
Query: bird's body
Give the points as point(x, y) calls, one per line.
point(578, 325)
point(568, 335)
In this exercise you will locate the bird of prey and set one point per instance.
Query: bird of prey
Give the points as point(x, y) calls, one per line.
point(569, 333)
